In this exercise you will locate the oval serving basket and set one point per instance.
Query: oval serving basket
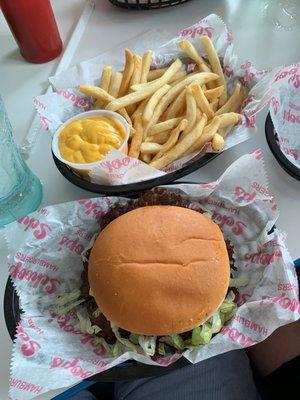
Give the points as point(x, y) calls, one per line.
point(131, 188)
point(272, 140)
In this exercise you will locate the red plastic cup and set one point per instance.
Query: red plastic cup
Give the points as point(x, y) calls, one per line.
point(33, 25)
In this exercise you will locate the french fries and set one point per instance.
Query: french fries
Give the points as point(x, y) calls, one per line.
point(234, 101)
point(127, 73)
point(202, 101)
point(135, 79)
point(139, 95)
point(146, 63)
point(203, 78)
point(175, 78)
point(207, 136)
point(213, 94)
point(172, 139)
point(137, 138)
point(200, 77)
point(215, 65)
point(115, 83)
point(218, 142)
point(159, 138)
point(140, 109)
point(198, 114)
point(137, 71)
point(146, 157)
point(177, 107)
point(152, 103)
point(214, 105)
point(155, 74)
point(102, 95)
point(105, 78)
point(150, 147)
point(191, 52)
point(228, 119)
point(181, 147)
point(172, 111)
point(191, 111)
point(95, 92)
point(164, 126)
point(104, 84)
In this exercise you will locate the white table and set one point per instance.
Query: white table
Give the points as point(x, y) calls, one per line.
point(256, 39)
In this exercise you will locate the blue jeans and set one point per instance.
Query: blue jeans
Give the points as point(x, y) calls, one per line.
point(224, 377)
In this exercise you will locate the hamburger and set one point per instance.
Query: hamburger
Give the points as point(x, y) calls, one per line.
point(156, 278)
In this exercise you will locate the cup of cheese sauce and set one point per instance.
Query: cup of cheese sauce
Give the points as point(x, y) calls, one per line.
point(84, 140)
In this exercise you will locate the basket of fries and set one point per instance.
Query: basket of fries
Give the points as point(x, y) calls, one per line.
point(182, 104)
point(146, 4)
point(172, 112)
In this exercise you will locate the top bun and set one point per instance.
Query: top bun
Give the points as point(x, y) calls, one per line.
point(159, 270)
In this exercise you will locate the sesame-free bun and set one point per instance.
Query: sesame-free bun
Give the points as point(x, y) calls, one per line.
point(159, 270)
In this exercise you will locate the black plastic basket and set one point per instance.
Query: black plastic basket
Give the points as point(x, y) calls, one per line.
point(131, 188)
point(272, 140)
point(146, 4)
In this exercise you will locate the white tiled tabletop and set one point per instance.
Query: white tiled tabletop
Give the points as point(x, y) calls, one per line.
point(256, 38)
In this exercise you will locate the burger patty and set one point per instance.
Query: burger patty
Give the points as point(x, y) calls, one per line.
point(148, 198)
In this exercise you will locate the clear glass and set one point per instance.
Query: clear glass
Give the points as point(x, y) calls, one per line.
point(20, 190)
point(284, 14)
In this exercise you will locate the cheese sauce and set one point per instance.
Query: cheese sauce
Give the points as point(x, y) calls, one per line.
point(89, 140)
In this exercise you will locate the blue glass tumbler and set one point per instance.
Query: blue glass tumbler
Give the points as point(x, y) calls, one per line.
point(20, 190)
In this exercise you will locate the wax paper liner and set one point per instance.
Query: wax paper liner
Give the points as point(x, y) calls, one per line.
point(56, 108)
point(50, 352)
point(285, 110)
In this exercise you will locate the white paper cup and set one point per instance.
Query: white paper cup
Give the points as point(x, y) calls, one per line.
point(84, 168)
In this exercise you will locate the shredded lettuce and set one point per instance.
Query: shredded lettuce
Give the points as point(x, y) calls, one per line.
point(148, 344)
point(97, 313)
point(68, 297)
point(178, 342)
point(117, 349)
point(227, 310)
point(134, 338)
point(64, 310)
point(161, 349)
point(127, 343)
point(201, 335)
point(86, 325)
point(99, 341)
point(166, 339)
point(96, 329)
point(236, 282)
point(208, 214)
point(67, 301)
point(216, 323)
point(230, 296)
point(88, 247)
point(174, 341)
